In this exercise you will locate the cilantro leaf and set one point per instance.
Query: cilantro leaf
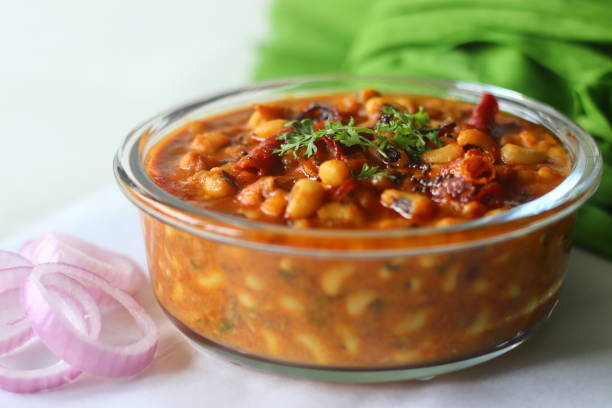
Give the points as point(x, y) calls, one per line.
point(409, 130)
point(301, 135)
point(349, 134)
point(368, 171)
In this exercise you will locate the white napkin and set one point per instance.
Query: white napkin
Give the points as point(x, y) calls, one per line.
point(567, 363)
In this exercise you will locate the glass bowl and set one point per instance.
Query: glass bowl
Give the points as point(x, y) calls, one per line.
point(357, 306)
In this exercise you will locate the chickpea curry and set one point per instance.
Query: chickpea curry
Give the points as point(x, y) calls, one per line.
point(359, 161)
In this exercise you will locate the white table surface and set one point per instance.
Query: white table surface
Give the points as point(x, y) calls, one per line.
point(567, 363)
point(76, 76)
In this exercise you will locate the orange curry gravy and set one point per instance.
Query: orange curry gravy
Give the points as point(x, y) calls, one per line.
point(475, 167)
point(452, 162)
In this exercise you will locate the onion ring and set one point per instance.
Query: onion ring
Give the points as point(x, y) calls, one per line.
point(81, 351)
point(88, 320)
point(119, 270)
point(11, 259)
point(17, 332)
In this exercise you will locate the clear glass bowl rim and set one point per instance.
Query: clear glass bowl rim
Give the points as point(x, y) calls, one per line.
point(580, 184)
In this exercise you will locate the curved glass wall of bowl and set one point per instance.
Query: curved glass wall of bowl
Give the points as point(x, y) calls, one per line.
point(570, 194)
point(212, 231)
point(350, 375)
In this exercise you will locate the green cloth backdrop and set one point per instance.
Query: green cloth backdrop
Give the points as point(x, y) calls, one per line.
point(557, 51)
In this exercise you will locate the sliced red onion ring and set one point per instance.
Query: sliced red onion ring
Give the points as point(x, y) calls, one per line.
point(40, 379)
point(82, 352)
point(88, 320)
point(16, 333)
point(27, 249)
point(11, 259)
point(119, 270)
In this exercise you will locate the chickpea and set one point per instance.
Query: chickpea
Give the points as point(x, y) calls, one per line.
point(349, 106)
point(406, 103)
point(250, 195)
point(473, 209)
point(268, 185)
point(274, 206)
point(528, 139)
point(366, 94)
point(478, 138)
point(557, 154)
point(209, 142)
point(269, 128)
point(374, 105)
point(217, 184)
point(332, 279)
point(305, 198)
point(333, 172)
point(245, 177)
point(513, 154)
point(335, 213)
point(356, 303)
point(255, 192)
point(263, 113)
point(192, 162)
point(443, 154)
point(546, 174)
point(254, 120)
point(408, 205)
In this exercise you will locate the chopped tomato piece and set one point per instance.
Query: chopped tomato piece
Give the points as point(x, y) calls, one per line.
point(343, 189)
point(483, 115)
point(334, 147)
point(262, 157)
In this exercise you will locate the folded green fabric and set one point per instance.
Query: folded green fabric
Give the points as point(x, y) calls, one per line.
point(557, 51)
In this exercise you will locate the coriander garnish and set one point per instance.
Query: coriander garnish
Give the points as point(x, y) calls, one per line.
point(349, 134)
point(408, 131)
point(301, 135)
point(368, 171)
